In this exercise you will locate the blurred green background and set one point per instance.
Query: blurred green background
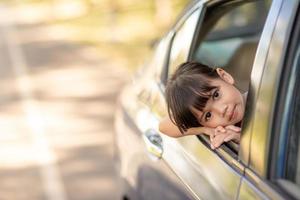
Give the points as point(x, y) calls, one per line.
point(122, 29)
point(63, 64)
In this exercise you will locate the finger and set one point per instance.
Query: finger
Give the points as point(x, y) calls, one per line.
point(218, 133)
point(218, 140)
point(233, 128)
point(221, 129)
point(231, 132)
point(234, 136)
point(212, 146)
point(217, 144)
point(211, 137)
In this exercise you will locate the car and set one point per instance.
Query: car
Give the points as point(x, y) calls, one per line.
point(257, 41)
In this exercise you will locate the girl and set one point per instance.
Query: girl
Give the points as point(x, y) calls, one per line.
point(201, 99)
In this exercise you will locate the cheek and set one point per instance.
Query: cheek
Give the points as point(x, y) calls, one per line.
point(240, 116)
point(242, 112)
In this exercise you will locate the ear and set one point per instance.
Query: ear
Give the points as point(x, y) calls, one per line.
point(225, 76)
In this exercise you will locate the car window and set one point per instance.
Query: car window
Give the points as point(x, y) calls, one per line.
point(285, 140)
point(159, 58)
point(246, 19)
point(288, 158)
point(154, 66)
point(292, 171)
point(229, 37)
point(182, 41)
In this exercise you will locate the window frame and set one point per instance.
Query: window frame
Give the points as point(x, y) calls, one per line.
point(228, 152)
point(281, 134)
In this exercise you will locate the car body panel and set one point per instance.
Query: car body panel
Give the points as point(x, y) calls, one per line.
point(204, 168)
point(139, 170)
point(155, 166)
point(258, 188)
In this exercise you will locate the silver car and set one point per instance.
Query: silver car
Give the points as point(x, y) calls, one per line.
point(258, 42)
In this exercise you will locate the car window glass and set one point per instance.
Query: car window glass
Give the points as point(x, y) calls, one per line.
point(154, 66)
point(159, 57)
point(229, 37)
point(284, 165)
point(288, 149)
point(291, 124)
point(182, 41)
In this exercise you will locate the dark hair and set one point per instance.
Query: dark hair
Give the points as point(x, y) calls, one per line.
point(189, 87)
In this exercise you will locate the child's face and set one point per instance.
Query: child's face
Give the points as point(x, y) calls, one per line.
point(226, 105)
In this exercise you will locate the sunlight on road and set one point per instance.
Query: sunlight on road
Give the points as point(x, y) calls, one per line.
point(56, 119)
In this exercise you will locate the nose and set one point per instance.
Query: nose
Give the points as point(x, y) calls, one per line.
point(221, 109)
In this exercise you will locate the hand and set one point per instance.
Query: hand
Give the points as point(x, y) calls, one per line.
point(226, 134)
point(217, 137)
point(235, 134)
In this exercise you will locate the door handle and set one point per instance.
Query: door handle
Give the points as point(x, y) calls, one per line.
point(153, 143)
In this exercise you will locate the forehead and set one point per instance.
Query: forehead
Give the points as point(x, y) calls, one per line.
point(217, 82)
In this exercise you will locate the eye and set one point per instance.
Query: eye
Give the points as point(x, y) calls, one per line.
point(216, 94)
point(207, 116)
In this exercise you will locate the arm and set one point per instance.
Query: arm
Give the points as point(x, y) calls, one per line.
point(167, 127)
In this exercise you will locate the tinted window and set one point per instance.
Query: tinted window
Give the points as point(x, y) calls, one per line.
point(293, 162)
point(288, 160)
point(285, 165)
point(229, 37)
point(182, 41)
point(246, 19)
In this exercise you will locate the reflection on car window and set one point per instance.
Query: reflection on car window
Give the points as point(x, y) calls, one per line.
point(182, 41)
point(292, 172)
point(246, 19)
point(288, 154)
point(158, 60)
point(229, 37)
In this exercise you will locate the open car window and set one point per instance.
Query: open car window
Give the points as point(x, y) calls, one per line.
point(228, 38)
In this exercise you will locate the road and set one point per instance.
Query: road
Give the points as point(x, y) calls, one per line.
point(57, 102)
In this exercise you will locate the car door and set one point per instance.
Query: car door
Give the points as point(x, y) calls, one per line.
point(140, 147)
point(273, 171)
point(156, 166)
point(212, 174)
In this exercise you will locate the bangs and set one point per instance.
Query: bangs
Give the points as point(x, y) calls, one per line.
point(200, 93)
point(200, 98)
point(193, 92)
